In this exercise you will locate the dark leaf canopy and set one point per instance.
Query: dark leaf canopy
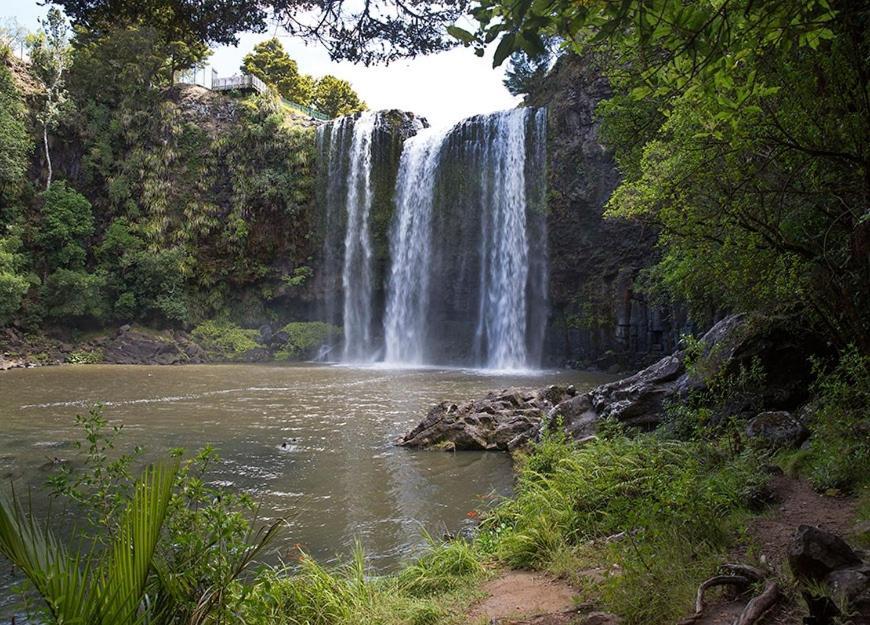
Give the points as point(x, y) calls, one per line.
point(367, 32)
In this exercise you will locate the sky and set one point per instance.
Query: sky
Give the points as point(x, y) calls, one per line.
point(443, 87)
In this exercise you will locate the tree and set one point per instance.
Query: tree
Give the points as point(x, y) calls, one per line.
point(526, 73)
point(376, 31)
point(49, 59)
point(67, 222)
point(271, 64)
point(14, 284)
point(336, 97)
point(13, 35)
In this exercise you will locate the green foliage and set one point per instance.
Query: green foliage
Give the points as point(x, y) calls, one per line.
point(15, 142)
point(270, 63)
point(839, 448)
point(739, 129)
point(225, 340)
point(69, 294)
point(79, 587)
point(336, 97)
point(14, 284)
point(102, 484)
point(526, 74)
point(300, 276)
point(444, 567)
point(305, 338)
point(67, 222)
point(207, 540)
point(347, 595)
point(83, 357)
point(671, 501)
point(49, 60)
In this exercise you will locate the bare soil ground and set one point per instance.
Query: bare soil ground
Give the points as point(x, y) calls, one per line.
point(516, 596)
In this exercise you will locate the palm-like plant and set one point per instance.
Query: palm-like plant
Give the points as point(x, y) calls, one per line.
point(98, 587)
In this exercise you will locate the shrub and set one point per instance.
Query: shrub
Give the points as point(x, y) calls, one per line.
point(224, 340)
point(839, 450)
point(673, 503)
point(68, 293)
point(305, 338)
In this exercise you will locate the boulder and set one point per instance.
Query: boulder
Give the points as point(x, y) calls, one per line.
point(850, 585)
point(137, 347)
point(814, 554)
point(776, 429)
point(500, 421)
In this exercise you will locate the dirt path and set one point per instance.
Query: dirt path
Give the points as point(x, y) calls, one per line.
point(517, 595)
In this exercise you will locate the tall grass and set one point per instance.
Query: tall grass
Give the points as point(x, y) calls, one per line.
point(428, 591)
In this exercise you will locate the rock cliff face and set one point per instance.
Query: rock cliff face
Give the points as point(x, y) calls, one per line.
point(596, 316)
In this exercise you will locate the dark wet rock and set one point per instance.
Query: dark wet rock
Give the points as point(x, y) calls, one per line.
point(600, 618)
point(814, 554)
point(135, 347)
point(851, 584)
point(776, 429)
point(500, 421)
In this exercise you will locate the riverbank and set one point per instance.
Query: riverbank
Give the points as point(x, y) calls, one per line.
point(133, 344)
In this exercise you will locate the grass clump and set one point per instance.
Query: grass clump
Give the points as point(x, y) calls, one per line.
point(430, 591)
point(85, 357)
point(305, 338)
point(224, 340)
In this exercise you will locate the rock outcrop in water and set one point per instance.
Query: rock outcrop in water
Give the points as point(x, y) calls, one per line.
point(500, 421)
point(509, 419)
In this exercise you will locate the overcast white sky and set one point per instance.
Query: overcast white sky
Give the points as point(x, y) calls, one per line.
point(443, 87)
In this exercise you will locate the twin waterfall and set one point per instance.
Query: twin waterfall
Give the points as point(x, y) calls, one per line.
point(457, 272)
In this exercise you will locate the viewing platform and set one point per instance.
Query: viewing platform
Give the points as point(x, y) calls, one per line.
point(242, 83)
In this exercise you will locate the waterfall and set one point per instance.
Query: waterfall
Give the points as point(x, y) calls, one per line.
point(345, 149)
point(410, 249)
point(468, 245)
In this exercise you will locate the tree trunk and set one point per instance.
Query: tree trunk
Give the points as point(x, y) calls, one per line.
point(47, 155)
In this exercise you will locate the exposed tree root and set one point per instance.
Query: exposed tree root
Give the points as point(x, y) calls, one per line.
point(760, 604)
point(740, 575)
point(718, 580)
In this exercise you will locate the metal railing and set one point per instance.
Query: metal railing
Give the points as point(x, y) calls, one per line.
point(242, 82)
point(305, 110)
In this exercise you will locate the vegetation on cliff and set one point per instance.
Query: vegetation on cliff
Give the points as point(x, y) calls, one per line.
point(169, 205)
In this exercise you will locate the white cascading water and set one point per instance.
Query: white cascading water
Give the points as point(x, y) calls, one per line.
point(356, 277)
point(345, 151)
point(493, 149)
point(410, 250)
point(504, 251)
